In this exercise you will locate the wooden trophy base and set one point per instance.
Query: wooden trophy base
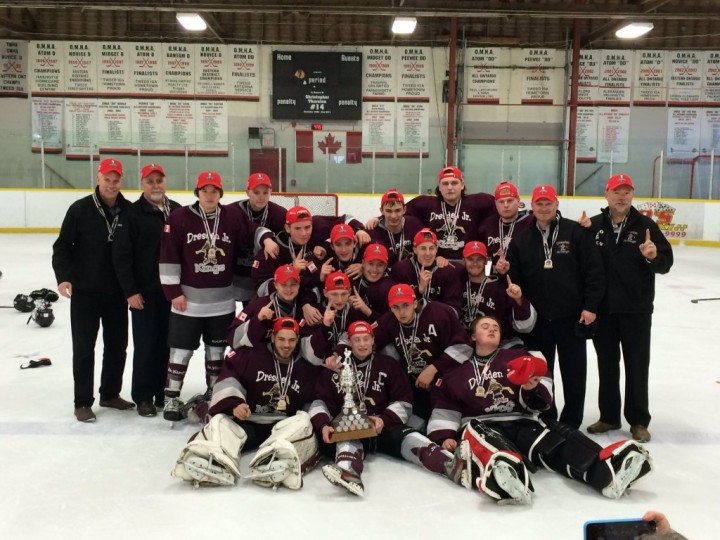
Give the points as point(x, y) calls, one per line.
point(350, 425)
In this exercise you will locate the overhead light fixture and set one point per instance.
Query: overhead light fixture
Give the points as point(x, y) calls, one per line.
point(404, 25)
point(191, 21)
point(634, 30)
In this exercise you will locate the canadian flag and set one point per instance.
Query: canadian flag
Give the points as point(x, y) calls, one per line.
point(318, 146)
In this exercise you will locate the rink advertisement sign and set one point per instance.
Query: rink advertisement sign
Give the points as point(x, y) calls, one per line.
point(677, 221)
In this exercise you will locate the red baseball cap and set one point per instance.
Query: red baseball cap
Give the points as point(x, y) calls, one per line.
point(337, 281)
point(286, 323)
point(450, 172)
point(425, 235)
point(209, 178)
point(359, 327)
point(544, 192)
point(619, 180)
point(341, 231)
point(110, 165)
point(474, 248)
point(258, 179)
point(285, 272)
point(392, 195)
point(150, 168)
point(297, 214)
point(506, 189)
point(376, 252)
point(401, 294)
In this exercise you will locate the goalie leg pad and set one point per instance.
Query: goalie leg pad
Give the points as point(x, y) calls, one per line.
point(627, 462)
point(213, 456)
point(574, 455)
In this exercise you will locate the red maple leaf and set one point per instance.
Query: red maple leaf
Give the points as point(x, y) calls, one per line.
point(329, 145)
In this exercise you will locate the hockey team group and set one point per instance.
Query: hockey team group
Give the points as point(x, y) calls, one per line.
point(447, 312)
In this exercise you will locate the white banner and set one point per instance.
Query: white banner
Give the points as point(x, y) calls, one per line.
point(115, 126)
point(146, 68)
point(586, 134)
point(211, 70)
point(615, 77)
point(413, 129)
point(47, 76)
point(588, 77)
point(211, 128)
point(711, 78)
point(13, 77)
point(539, 81)
point(178, 61)
point(683, 135)
point(487, 74)
point(685, 86)
point(415, 74)
point(244, 72)
point(379, 73)
point(613, 134)
point(80, 123)
point(47, 124)
point(650, 85)
point(710, 132)
point(146, 124)
point(114, 68)
point(81, 68)
point(178, 126)
point(378, 128)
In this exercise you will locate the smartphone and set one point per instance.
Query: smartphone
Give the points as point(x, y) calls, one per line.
point(618, 529)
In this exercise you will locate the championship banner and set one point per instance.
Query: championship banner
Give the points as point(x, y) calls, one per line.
point(615, 77)
point(378, 129)
point(588, 77)
point(487, 74)
point(47, 76)
point(586, 134)
point(243, 72)
point(211, 70)
point(146, 69)
point(146, 124)
point(114, 69)
point(415, 81)
point(650, 85)
point(80, 122)
point(711, 78)
point(685, 86)
point(178, 61)
point(542, 79)
point(13, 73)
point(80, 68)
point(613, 134)
point(114, 126)
point(413, 129)
point(178, 126)
point(47, 124)
point(211, 128)
point(379, 74)
point(683, 133)
point(710, 131)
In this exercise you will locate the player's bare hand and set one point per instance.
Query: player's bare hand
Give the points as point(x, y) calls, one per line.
point(242, 411)
point(358, 303)
point(424, 282)
point(333, 362)
point(531, 383)
point(326, 432)
point(584, 220)
point(319, 252)
point(136, 301)
point(311, 315)
point(326, 269)
point(65, 289)
point(449, 444)
point(426, 377)
point(587, 317)
point(442, 262)
point(372, 223)
point(354, 271)
point(502, 266)
point(272, 250)
point(179, 303)
point(648, 248)
point(328, 316)
point(513, 291)
point(300, 263)
point(362, 237)
point(378, 423)
point(266, 313)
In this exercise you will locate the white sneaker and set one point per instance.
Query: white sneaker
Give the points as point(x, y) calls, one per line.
point(349, 480)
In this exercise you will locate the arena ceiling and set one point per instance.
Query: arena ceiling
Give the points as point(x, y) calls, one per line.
point(679, 24)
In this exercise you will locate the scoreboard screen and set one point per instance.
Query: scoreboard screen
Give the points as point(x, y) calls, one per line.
point(317, 85)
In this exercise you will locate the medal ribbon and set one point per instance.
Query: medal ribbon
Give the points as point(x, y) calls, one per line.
point(110, 228)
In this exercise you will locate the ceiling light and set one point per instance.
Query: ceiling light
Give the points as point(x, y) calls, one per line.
point(634, 30)
point(404, 25)
point(191, 21)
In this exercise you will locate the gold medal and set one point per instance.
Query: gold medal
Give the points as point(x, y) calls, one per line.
point(282, 405)
point(548, 264)
point(480, 392)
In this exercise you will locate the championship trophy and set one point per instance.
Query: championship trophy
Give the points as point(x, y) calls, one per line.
point(352, 422)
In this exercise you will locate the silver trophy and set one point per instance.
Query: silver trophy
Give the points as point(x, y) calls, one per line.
point(352, 422)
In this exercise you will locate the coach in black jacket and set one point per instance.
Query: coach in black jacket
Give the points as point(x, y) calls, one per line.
point(560, 271)
point(633, 250)
point(82, 261)
point(136, 254)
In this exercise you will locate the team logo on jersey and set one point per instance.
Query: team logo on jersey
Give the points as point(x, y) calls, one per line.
point(562, 247)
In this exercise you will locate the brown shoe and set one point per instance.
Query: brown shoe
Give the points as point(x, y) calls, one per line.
point(602, 427)
point(640, 433)
point(85, 414)
point(117, 403)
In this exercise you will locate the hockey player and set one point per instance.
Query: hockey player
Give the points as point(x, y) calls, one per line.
point(343, 255)
point(492, 403)
point(383, 391)
point(497, 232)
point(490, 295)
point(370, 292)
point(393, 229)
point(264, 213)
point(451, 214)
point(431, 276)
point(197, 253)
point(259, 396)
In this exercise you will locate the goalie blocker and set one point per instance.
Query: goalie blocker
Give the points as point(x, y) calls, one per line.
point(212, 456)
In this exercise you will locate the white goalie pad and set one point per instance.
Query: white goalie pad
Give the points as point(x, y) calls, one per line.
point(213, 456)
point(291, 450)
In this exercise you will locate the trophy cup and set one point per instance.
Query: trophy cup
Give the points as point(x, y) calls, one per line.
point(352, 422)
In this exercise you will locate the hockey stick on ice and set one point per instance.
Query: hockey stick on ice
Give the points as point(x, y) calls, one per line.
point(696, 300)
